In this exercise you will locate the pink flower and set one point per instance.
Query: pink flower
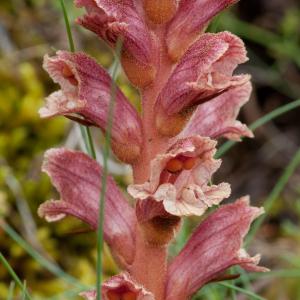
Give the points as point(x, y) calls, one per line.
point(190, 96)
point(85, 92)
point(179, 178)
point(214, 247)
point(190, 21)
point(78, 179)
point(203, 73)
point(111, 20)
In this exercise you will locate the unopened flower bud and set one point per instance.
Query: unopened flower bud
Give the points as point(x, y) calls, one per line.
point(140, 75)
point(160, 11)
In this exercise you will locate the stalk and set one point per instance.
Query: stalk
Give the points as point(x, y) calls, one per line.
point(106, 154)
point(150, 264)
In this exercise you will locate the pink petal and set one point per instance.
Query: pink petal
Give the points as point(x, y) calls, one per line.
point(191, 19)
point(217, 117)
point(90, 99)
point(196, 200)
point(203, 73)
point(77, 177)
point(122, 286)
point(185, 192)
point(111, 19)
point(214, 247)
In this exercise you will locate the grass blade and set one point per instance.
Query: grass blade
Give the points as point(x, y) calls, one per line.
point(106, 153)
point(278, 188)
point(24, 291)
point(10, 295)
point(261, 121)
point(68, 27)
point(51, 267)
point(241, 290)
point(88, 141)
point(14, 276)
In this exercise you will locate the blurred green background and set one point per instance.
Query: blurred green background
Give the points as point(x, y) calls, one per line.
point(31, 28)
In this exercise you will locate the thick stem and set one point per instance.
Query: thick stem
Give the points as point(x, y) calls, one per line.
point(150, 266)
point(154, 143)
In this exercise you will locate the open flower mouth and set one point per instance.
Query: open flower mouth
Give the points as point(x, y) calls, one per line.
point(122, 293)
point(69, 75)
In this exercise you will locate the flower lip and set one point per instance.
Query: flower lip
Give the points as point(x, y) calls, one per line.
point(179, 178)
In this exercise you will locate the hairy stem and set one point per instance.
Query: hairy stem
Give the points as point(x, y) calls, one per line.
point(154, 143)
point(150, 264)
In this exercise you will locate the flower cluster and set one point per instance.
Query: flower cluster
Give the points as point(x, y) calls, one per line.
point(190, 98)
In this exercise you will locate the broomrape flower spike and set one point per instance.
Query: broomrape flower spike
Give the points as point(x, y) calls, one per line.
point(190, 97)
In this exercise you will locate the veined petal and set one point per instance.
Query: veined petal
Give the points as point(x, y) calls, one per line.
point(214, 247)
point(77, 177)
point(86, 92)
point(203, 73)
point(179, 178)
point(217, 117)
point(191, 19)
point(113, 19)
point(120, 287)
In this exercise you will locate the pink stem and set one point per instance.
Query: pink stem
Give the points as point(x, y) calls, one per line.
point(154, 143)
point(150, 264)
